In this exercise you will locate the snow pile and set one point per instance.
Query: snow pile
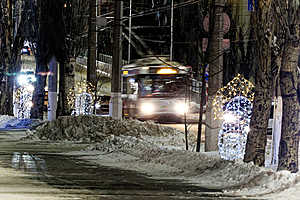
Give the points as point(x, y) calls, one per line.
point(159, 151)
point(10, 122)
point(207, 170)
point(267, 182)
point(4, 119)
point(22, 123)
point(93, 129)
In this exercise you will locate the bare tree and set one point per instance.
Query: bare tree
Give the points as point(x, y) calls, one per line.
point(256, 142)
point(76, 15)
point(50, 43)
point(288, 17)
point(11, 42)
point(215, 80)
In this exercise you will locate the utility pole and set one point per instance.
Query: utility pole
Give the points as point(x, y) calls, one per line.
point(115, 104)
point(215, 79)
point(52, 89)
point(91, 60)
point(129, 34)
point(97, 2)
point(172, 29)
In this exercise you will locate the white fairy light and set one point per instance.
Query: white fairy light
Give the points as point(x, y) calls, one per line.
point(83, 104)
point(235, 128)
point(23, 101)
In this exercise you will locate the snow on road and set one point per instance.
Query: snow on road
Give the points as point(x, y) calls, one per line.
point(160, 151)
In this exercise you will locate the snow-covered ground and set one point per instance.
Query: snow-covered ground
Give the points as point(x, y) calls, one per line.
point(160, 152)
point(10, 122)
point(4, 119)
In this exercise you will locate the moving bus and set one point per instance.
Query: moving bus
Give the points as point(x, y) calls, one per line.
point(155, 88)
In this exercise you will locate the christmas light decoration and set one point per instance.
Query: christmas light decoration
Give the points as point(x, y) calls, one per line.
point(23, 101)
point(23, 94)
point(83, 104)
point(81, 98)
point(239, 86)
point(235, 128)
point(233, 104)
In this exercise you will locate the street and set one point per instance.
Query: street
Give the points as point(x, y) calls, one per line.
point(39, 170)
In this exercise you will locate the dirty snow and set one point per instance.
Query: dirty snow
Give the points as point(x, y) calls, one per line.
point(160, 152)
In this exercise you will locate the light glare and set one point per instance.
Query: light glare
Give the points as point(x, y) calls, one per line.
point(229, 118)
point(181, 108)
point(22, 79)
point(166, 71)
point(30, 88)
point(147, 108)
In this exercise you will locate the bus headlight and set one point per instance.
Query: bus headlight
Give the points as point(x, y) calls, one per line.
point(147, 108)
point(181, 108)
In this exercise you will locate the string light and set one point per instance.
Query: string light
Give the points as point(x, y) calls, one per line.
point(233, 104)
point(23, 101)
point(239, 86)
point(81, 98)
point(233, 134)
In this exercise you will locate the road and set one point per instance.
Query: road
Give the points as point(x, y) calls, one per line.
point(39, 170)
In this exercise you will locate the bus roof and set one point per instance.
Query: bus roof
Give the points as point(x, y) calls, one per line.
point(151, 65)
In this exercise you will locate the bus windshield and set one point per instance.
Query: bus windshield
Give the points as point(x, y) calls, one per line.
point(158, 85)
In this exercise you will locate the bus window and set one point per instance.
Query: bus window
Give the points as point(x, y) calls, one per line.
point(161, 85)
point(130, 86)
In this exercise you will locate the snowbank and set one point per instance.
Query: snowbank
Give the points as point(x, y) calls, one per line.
point(4, 119)
point(10, 122)
point(159, 151)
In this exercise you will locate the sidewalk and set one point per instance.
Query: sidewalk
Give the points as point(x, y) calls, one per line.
point(15, 185)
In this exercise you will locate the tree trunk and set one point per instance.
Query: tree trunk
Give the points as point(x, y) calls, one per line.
point(37, 109)
point(215, 80)
point(6, 96)
point(8, 58)
point(66, 83)
point(256, 141)
point(289, 143)
point(257, 137)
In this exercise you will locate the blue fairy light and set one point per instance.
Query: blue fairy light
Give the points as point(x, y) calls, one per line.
point(233, 134)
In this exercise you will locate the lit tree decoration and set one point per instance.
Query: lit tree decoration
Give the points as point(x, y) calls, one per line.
point(23, 94)
point(83, 104)
point(233, 104)
point(81, 98)
point(23, 101)
point(235, 128)
point(239, 86)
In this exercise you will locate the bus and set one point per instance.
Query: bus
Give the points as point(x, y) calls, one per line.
point(155, 88)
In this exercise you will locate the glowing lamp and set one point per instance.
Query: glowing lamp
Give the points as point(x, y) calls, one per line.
point(166, 71)
point(22, 79)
